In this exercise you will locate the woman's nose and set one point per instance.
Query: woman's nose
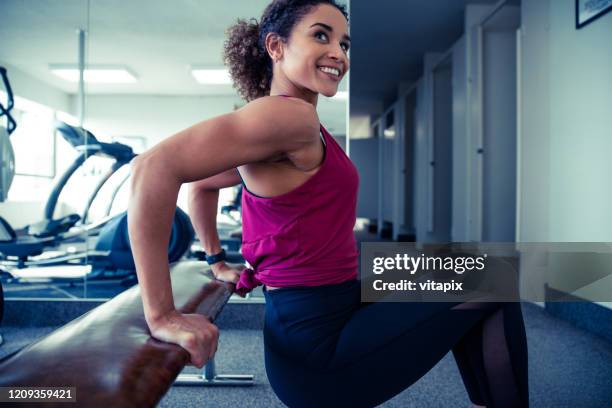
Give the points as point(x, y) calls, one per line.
point(337, 53)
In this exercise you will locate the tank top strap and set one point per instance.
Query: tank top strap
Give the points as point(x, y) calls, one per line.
point(321, 133)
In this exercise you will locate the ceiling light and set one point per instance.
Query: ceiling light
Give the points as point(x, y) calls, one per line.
point(211, 76)
point(95, 74)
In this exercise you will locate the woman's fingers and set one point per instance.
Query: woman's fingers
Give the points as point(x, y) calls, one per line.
point(214, 343)
point(193, 332)
point(229, 275)
point(207, 339)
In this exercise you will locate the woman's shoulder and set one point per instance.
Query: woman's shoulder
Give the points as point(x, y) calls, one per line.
point(288, 124)
point(285, 108)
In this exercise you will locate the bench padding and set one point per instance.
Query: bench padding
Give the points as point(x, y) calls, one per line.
point(108, 353)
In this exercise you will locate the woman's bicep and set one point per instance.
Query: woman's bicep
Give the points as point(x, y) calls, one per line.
point(254, 133)
point(204, 150)
point(228, 178)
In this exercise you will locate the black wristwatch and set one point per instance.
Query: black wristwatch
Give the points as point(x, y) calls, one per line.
point(216, 258)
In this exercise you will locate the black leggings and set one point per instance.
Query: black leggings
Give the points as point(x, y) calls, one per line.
point(325, 348)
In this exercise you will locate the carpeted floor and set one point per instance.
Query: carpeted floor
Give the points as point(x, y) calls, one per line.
point(568, 368)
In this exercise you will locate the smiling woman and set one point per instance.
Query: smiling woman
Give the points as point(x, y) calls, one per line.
point(252, 50)
point(299, 209)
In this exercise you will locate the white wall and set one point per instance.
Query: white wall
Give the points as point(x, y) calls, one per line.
point(157, 117)
point(534, 151)
point(566, 129)
point(35, 90)
point(153, 117)
point(580, 126)
point(567, 125)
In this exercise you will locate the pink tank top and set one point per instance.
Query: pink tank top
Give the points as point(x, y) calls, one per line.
point(303, 237)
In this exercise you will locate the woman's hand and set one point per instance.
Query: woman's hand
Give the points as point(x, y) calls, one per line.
point(193, 332)
point(227, 272)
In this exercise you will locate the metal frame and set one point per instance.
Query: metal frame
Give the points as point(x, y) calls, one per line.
point(209, 377)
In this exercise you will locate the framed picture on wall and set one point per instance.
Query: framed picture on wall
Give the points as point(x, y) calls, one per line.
point(590, 10)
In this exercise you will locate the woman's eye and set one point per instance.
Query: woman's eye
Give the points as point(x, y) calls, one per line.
point(320, 33)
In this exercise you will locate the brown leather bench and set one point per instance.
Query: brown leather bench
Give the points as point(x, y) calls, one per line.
point(108, 353)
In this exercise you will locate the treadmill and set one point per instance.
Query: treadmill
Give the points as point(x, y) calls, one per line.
point(17, 246)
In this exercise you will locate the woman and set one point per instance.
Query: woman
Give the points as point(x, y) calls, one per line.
point(323, 347)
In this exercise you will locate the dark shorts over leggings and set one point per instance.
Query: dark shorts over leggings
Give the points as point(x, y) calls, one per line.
point(323, 347)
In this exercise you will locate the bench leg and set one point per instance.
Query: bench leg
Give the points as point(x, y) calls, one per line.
point(210, 377)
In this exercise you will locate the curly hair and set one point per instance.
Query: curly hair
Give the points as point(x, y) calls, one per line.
point(245, 53)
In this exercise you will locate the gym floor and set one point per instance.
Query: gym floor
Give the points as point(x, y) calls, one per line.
point(580, 379)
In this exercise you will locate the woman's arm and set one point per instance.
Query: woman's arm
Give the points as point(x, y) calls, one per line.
point(203, 205)
point(263, 128)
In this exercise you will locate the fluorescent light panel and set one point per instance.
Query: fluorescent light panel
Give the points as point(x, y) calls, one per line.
point(93, 74)
point(211, 76)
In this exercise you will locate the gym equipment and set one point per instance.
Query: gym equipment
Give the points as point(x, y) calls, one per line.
point(32, 240)
point(112, 251)
point(112, 255)
point(84, 141)
point(7, 164)
point(1, 309)
point(7, 155)
point(109, 355)
point(115, 240)
point(18, 246)
point(87, 144)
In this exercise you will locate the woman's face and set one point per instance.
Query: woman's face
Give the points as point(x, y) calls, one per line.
point(315, 56)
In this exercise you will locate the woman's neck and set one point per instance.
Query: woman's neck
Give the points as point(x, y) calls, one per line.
point(286, 88)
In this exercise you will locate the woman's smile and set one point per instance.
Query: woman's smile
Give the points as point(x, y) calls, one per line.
point(330, 73)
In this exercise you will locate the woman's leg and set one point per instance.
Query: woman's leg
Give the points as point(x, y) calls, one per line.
point(492, 334)
point(492, 358)
point(385, 347)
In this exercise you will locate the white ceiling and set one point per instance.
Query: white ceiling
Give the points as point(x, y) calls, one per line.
point(159, 39)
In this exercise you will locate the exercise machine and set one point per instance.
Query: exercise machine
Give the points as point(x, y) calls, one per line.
point(7, 162)
point(112, 253)
point(7, 155)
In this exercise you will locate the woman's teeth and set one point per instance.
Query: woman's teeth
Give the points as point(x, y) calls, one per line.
point(329, 70)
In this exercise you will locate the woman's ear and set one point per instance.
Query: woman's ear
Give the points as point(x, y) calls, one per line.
point(274, 46)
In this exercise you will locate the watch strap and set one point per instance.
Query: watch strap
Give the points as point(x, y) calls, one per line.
point(212, 259)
